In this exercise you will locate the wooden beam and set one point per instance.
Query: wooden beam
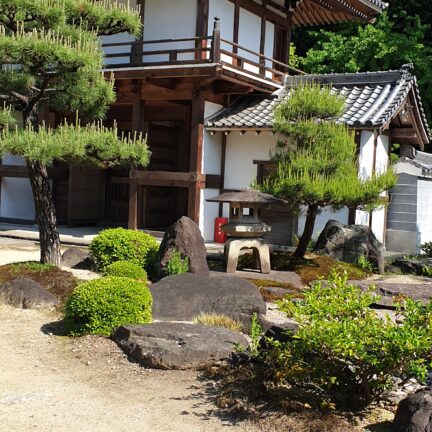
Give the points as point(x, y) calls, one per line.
point(196, 154)
point(397, 133)
point(137, 126)
point(150, 91)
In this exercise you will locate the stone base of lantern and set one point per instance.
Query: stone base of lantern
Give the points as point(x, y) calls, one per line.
point(260, 248)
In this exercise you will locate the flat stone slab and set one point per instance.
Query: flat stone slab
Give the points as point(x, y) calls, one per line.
point(168, 345)
point(27, 294)
point(184, 297)
point(421, 290)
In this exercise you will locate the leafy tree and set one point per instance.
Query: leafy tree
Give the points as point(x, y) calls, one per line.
point(403, 35)
point(316, 158)
point(51, 60)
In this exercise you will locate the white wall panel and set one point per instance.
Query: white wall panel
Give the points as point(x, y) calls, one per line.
point(16, 200)
point(424, 210)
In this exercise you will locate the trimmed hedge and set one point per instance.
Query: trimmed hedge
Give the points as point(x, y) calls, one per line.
point(101, 305)
point(126, 269)
point(119, 244)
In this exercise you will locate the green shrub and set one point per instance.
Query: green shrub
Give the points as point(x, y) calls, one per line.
point(119, 244)
point(101, 305)
point(219, 321)
point(176, 264)
point(365, 264)
point(256, 333)
point(126, 269)
point(427, 249)
point(343, 352)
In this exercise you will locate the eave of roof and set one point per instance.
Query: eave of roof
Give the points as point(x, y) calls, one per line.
point(373, 99)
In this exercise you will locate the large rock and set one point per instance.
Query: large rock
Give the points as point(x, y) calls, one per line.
point(166, 345)
point(350, 242)
point(390, 292)
point(183, 297)
point(27, 294)
point(185, 237)
point(414, 414)
point(76, 258)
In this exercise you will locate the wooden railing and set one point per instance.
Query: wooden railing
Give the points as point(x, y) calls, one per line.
point(201, 50)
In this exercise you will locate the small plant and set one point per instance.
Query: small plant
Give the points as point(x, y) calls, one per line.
point(427, 249)
point(256, 334)
point(365, 264)
point(101, 305)
point(219, 321)
point(426, 271)
point(343, 351)
point(176, 264)
point(32, 266)
point(126, 269)
point(119, 244)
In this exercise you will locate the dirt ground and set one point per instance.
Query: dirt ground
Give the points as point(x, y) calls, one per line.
point(49, 383)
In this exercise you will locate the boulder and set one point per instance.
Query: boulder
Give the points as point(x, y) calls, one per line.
point(185, 237)
point(183, 297)
point(389, 292)
point(167, 345)
point(350, 242)
point(27, 294)
point(414, 413)
point(76, 258)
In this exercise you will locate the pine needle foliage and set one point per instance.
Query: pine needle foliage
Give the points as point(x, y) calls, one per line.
point(316, 156)
point(51, 59)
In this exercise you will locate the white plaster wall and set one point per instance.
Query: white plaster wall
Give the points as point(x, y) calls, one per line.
point(124, 49)
point(208, 213)
point(424, 210)
point(241, 151)
point(224, 10)
point(269, 45)
point(322, 219)
point(366, 157)
point(16, 199)
point(167, 19)
point(249, 37)
point(212, 144)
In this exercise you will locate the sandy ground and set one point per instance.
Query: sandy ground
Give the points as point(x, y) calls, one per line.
point(49, 383)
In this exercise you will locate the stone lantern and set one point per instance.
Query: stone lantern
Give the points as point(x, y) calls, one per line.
point(246, 227)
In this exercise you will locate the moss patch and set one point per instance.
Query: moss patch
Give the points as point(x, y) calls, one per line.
point(59, 282)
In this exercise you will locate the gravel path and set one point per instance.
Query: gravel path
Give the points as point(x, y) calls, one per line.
point(49, 383)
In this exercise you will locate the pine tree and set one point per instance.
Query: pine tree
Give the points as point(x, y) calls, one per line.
point(316, 158)
point(51, 59)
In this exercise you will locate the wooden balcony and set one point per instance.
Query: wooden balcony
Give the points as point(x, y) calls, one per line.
point(233, 58)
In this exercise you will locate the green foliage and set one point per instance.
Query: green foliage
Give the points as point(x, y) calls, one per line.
point(119, 244)
point(93, 145)
point(176, 264)
point(403, 35)
point(219, 321)
point(6, 118)
point(317, 160)
point(126, 269)
point(365, 264)
point(256, 334)
point(426, 271)
point(427, 249)
point(346, 353)
point(101, 305)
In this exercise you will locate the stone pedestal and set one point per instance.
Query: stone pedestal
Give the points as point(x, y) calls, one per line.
point(233, 246)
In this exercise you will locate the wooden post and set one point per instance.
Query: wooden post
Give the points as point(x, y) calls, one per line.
point(289, 36)
point(138, 127)
point(216, 42)
point(196, 155)
point(263, 38)
point(202, 28)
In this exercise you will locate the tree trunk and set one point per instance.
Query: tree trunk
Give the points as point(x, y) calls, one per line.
point(312, 212)
point(45, 214)
point(44, 203)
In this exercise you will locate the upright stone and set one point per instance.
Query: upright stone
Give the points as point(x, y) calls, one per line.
point(414, 414)
point(185, 237)
point(350, 242)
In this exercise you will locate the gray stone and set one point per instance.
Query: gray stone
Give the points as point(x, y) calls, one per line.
point(390, 291)
point(350, 242)
point(27, 294)
point(167, 345)
point(414, 414)
point(76, 258)
point(183, 297)
point(185, 237)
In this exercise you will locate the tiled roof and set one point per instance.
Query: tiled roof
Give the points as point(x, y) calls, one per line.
point(420, 160)
point(372, 100)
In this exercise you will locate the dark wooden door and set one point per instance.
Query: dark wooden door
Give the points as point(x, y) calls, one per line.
point(169, 148)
